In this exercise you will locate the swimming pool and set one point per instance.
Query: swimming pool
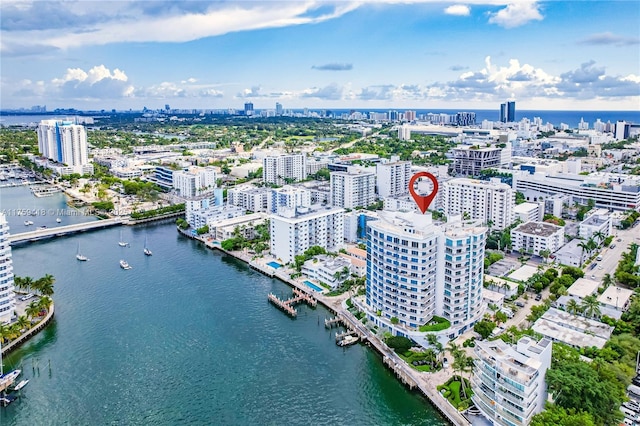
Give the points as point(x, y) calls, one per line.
point(312, 285)
point(274, 265)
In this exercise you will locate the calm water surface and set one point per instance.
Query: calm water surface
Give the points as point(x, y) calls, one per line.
point(187, 337)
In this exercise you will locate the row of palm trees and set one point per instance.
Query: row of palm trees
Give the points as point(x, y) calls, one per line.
point(589, 306)
point(462, 363)
point(43, 286)
point(24, 322)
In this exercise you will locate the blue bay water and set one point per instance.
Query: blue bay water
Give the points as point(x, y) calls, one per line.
point(186, 337)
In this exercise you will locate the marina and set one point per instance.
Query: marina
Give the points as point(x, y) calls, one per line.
point(288, 305)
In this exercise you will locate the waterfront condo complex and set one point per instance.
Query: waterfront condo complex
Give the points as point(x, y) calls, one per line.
point(65, 143)
point(417, 269)
point(7, 295)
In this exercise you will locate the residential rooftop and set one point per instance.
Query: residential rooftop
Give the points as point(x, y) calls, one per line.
point(542, 229)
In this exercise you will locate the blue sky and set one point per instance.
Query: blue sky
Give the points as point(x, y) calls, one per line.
point(582, 55)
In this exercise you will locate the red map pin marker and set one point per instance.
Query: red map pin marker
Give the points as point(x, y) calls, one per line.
point(423, 201)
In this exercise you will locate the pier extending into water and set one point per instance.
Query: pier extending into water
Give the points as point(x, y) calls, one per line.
point(288, 305)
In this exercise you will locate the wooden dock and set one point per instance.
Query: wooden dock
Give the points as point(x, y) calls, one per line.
point(330, 323)
point(288, 305)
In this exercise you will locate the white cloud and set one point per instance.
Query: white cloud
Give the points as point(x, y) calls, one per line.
point(458, 10)
point(517, 14)
point(98, 82)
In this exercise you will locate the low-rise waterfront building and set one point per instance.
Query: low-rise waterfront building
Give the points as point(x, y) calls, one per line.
point(328, 270)
point(533, 237)
point(226, 228)
point(211, 215)
point(7, 294)
point(508, 382)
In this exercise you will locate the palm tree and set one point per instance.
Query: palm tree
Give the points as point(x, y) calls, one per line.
point(591, 306)
point(583, 245)
point(26, 283)
point(4, 332)
point(607, 280)
point(45, 285)
point(545, 255)
point(23, 322)
point(32, 309)
point(45, 303)
point(592, 245)
point(573, 307)
point(599, 235)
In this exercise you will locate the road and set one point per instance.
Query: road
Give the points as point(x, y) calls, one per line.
point(611, 256)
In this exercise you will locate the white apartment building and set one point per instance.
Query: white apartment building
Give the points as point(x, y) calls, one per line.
point(288, 197)
point(353, 189)
point(489, 201)
point(529, 212)
point(195, 181)
point(328, 270)
point(64, 142)
point(7, 295)
point(393, 178)
point(293, 232)
point(533, 237)
point(508, 382)
point(278, 169)
point(597, 222)
point(609, 191)
point(470, 160)
point(211, 215)
point(249, 197)
point(418, 269)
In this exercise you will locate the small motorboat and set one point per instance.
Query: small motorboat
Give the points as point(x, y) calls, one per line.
point(124, 264)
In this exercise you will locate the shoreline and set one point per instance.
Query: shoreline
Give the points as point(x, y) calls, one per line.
point(407, 375)
point(14, 344)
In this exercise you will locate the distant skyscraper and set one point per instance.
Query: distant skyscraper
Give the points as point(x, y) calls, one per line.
point(508, 112)
point(167, 107)
point(248, 108)
point(279, 109)
point(7, 295)
point(63, 142)
point(466, 118)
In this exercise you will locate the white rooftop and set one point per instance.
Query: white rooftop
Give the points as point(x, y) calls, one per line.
point(523, 273)
point(615, 296)
point(583, 287)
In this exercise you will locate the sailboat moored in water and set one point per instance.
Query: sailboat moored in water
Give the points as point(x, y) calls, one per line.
point(79, 256)
point(122, 243)
point(146, 249)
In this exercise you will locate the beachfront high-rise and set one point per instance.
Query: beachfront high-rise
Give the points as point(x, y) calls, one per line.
point(65, 143)
point(508, 112)
point(489, 201)
point(7, 295)
point(417, 269)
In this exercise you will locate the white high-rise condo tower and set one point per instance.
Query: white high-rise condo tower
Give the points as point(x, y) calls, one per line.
point(7, 295)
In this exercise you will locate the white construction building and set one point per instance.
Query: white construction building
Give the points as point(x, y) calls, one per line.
point(286, 168)
point(353, 189)
point(7, 295)
point(508, 382)
point(293, 231)
point(489, 201)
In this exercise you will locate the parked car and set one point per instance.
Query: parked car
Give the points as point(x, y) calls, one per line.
point(612, 246)
point(520, 304)
point(27, 297)
point(538, 297)
point(619, 240)
point(445, 363)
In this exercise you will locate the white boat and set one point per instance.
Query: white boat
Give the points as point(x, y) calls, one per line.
point(20, 385)
point(79, 256)
point(58, 220)
point(146, 250)
point(122, 243)
point(348, 340)
point(27, 223)
point(8, 379)
point(124, 264)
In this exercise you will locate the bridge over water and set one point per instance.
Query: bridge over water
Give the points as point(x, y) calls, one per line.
point(63, 230)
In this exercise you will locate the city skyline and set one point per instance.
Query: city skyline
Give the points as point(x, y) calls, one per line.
point(377, 54)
